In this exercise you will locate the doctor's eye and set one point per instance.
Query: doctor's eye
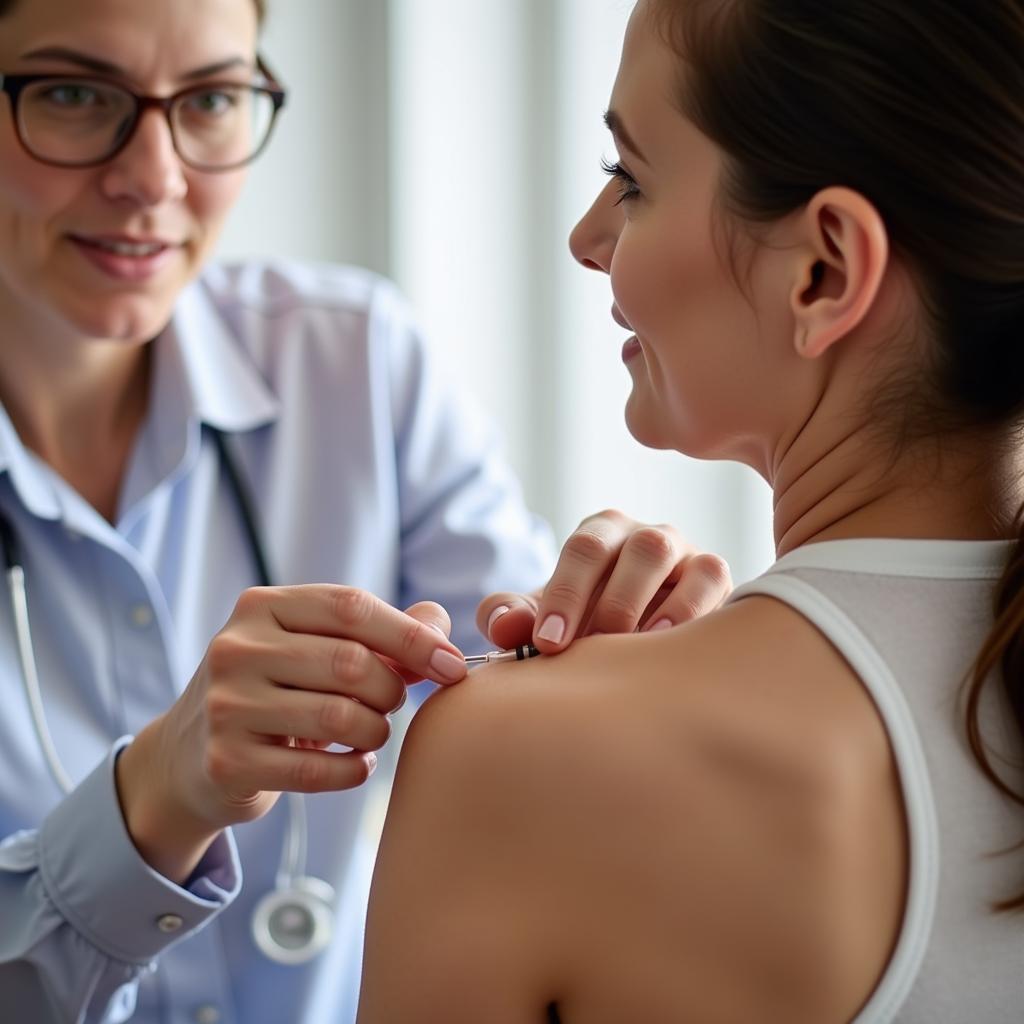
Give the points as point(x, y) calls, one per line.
point(627, 183)
point(214, 102)
point(72, 94)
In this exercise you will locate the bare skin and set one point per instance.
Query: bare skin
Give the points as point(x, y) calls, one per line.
point(726, 841)
point(605, 835)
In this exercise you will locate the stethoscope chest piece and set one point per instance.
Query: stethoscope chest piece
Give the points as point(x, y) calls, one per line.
point(292, 924)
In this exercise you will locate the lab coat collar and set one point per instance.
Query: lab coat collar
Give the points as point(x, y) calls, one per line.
point(223, 386)
point(201, 374)
point(33, 481)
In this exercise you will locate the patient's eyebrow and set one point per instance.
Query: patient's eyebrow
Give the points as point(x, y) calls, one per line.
point(622, 136)
point(103, 67)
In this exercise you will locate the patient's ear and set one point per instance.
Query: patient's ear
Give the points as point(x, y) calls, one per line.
point(842, 258)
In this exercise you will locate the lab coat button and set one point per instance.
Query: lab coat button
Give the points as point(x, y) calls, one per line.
point(142, 615)
point(169, 922)
point(207, 1014)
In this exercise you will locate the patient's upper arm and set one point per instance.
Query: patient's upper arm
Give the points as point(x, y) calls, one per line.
point(462, 878)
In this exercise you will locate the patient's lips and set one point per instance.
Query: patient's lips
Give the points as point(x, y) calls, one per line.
point(632, 347)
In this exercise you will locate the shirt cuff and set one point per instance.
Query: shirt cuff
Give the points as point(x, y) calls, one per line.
point(105, 890)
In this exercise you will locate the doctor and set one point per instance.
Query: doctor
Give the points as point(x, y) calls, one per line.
point(216, 488)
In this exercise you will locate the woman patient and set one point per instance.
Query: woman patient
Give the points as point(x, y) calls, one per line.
point(815, 230)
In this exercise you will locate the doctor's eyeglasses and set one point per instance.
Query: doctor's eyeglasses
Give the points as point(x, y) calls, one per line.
point(79, 121)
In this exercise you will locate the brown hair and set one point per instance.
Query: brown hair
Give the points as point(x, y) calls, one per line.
point(920, 108)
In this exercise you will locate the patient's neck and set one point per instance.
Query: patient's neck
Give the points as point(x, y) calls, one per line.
point(934, 488)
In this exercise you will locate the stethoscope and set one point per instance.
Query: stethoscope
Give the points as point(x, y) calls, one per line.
point(295, 920)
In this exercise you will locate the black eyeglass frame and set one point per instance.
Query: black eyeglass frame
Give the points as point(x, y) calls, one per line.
point(14, 85)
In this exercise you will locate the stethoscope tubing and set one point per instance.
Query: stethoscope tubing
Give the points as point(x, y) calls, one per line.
point(15, 572)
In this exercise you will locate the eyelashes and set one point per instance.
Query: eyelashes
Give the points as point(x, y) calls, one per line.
point(627, 183)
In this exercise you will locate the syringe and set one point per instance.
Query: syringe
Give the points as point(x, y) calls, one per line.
point(520, 653)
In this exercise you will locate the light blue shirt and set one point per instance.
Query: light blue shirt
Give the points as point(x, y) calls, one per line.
point(366, 469)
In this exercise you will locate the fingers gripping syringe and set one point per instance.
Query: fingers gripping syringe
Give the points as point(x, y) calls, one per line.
point(520, 653)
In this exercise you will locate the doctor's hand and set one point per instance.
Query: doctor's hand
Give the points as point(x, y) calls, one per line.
point(614, 575)
point(294, 670)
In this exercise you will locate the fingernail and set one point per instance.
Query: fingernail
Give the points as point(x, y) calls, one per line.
point(660, 624)
point(447, 666)
point(371, 763)
point(496, 614)
point(552, 629)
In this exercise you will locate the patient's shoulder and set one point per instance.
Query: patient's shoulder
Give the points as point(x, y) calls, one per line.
point(715, 801)
point(754, 677)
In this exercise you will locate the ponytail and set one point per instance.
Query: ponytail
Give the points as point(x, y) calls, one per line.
point(1002, 653)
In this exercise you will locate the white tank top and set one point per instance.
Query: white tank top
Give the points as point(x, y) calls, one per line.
point(909, 617)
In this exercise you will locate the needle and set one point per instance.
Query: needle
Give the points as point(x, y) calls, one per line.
point(520, 653)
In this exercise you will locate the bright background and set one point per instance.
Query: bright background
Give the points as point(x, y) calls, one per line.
point(452, 144)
